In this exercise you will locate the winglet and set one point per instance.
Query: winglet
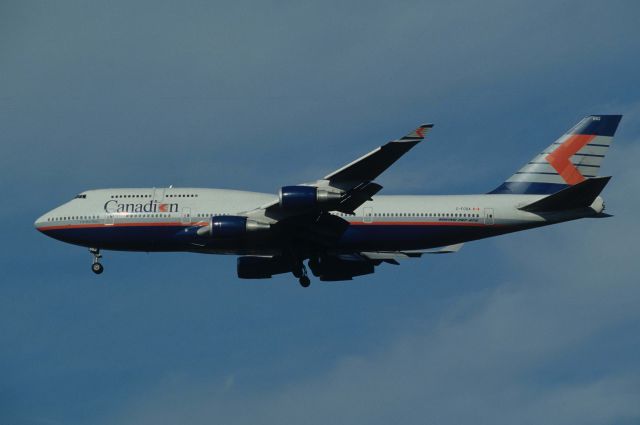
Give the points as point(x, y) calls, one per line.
point(418, 134)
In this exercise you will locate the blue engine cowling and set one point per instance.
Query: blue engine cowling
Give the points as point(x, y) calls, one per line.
point(307, 197)
point(228, 226)
point(231, 226)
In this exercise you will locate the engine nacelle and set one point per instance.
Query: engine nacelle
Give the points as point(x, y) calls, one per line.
point(262, 267)
point(335, 268)
point(307, 197)
point(231, 226)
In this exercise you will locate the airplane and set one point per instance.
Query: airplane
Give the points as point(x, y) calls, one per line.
point(338, 225)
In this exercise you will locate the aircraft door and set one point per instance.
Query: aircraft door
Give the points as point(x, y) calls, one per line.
point(367, 215)
point(158, 194)
point(109, 219)
point(185, 217)
point(488, 216)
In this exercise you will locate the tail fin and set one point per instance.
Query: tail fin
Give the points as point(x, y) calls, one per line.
point(574, 157)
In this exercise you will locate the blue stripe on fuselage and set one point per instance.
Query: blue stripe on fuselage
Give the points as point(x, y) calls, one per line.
point(357, 237)
point(127, 238)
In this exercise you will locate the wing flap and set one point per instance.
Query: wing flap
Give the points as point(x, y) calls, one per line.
point(394, 256)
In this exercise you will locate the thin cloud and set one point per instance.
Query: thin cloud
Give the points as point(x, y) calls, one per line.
point(498, 357)
point(537, 327)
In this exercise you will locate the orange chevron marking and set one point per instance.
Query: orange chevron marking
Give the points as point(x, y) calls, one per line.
point(560, 159)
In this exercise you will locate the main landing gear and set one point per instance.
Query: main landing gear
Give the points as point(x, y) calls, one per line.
point(300, 271)
point(96, 267)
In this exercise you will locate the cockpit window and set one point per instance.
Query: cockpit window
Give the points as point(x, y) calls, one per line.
point(81, 197)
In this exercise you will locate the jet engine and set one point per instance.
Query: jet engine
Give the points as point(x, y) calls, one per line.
point(332, 268)
point(307, 197)
point(253, 267)
point(231, 226)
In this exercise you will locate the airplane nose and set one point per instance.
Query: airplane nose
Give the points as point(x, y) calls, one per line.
point(39, 222)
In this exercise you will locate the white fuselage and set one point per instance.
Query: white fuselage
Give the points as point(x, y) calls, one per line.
point(152, 219)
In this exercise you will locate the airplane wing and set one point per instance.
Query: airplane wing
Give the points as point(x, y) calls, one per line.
point(346, 266)
point(392, 257)
point(302, 221)
point(334, 266)
point(371, 165)
point(346, 188)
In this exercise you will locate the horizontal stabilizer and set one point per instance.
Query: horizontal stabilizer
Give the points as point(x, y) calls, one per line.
point(580, 195)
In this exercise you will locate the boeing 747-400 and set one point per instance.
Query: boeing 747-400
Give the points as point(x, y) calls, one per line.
point(338, 225)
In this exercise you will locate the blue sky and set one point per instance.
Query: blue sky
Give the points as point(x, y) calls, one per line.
point(537, 327)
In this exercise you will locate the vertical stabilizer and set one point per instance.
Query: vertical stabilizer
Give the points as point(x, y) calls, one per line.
point(573, 158)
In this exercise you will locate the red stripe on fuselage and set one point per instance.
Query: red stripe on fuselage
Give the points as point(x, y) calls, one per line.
point(420, 223)
point(138, 224)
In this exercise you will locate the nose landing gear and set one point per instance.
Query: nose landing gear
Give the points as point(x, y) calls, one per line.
point(96, 267)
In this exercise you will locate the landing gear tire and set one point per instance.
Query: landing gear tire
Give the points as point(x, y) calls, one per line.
point(305, 281)
point(300, 271)
point(97, 268)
